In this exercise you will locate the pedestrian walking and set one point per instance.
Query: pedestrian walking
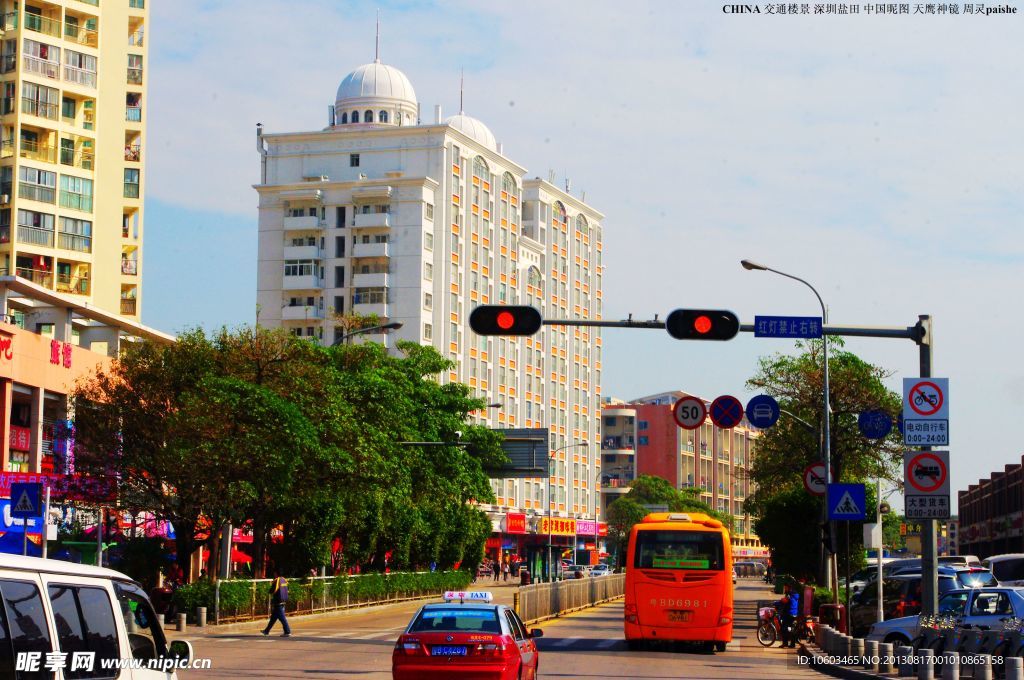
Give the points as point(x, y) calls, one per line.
point(278, 600)
point(496, 568)
point(505, 568)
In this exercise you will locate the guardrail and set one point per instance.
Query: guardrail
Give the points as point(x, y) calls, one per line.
point(547, 600)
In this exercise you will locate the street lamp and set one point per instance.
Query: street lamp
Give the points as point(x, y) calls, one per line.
point(394, 325)
point(827, 445)
point(551, 460)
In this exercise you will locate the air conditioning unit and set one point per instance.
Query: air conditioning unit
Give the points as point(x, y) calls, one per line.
point(5, 199)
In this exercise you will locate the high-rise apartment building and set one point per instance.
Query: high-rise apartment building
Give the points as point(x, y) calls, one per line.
point(71, 147)
point(418, 223)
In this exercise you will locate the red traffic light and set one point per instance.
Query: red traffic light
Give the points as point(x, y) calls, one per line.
point(505, 320)
point(702, 324)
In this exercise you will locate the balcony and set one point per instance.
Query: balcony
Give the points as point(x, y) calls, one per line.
point(36, 276)
point(73, 74)
point(82, 158)
point(301, 313)
point(128, 306)
point(614, 485)
point(47, 69)
point(302, 253)
point(77, 242)
point(76, 201)
point(304, 282)
point(372, 280)
point(302, 222)
point(134, 76)
point(36, 192)
point(80, 34)
point(136, 39)
point(34, 150)
point(372, 220)
point(7, 148)
point(130, 267)
point(133, 152)
point(370, 250)
point(77, 285)
point(9, 21)
point(35, 236)
point(40, 24)
point(35, 107)
point(133, 114)
point(5, 233)
point(616, 445)
point(367, 308)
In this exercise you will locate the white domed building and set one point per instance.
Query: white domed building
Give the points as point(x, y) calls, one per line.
point(418, 222)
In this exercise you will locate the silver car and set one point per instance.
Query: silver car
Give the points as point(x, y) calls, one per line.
point(978, 607)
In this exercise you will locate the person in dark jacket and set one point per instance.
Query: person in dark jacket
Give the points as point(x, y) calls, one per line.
point(278, 600)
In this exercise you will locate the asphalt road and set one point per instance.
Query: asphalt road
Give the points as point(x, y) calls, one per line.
point(586, 644)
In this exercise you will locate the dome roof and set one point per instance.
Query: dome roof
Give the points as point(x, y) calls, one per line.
point(376, 80)
point(471, 127)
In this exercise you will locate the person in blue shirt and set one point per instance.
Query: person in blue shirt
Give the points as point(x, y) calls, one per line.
point(789, 609)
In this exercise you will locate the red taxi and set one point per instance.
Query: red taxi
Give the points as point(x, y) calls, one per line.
point(466, 637)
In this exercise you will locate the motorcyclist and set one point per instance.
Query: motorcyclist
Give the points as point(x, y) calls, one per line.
point(788, 608)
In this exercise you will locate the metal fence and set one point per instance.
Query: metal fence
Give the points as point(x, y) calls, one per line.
point(547, 600)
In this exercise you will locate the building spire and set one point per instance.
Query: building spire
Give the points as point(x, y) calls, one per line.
point(376, 56)
point(462, 80)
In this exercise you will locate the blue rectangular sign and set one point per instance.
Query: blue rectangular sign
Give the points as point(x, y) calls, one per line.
point(26, 499)
point(846, 501)
point(787, 327)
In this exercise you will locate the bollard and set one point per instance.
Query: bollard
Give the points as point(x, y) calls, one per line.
point(903, 661)
point(826, 640)
point(983, 667)
point(1014, 667)
point(846, 645)
point(819, 636)
point(871, 655)
point(951, 666)
point(885, 660)
point(201, 617)
point(926, 669)
point(181, 621)
point(856, 647)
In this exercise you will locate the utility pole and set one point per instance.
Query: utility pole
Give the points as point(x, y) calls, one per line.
point(929, 554)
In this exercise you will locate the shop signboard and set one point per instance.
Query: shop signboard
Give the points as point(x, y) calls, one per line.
point(515, 523)
point(586, 527)
point(558, 526)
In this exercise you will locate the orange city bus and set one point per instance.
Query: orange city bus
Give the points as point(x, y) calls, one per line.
point(679, 581)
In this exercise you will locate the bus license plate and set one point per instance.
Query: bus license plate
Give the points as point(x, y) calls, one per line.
point(447, 650)
point(680, 615)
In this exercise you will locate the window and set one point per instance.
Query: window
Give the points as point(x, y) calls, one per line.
point(643, 440)
point(145, 638)
point(76, 192)
point(428, 301)
point(344, 118)
point(135, 69)
point(85, 623)
point(339, 304)
point(81, 68)
point(353, 159)
point(26, 620)
point(428, 331)
point(339, 277)
point(368, 116)
point(369, 296)
point(299, 267)
point(339, 246)
point(428, 241)
point(383, 116)
point(428, 271)
point(339, 217)
point(40, 100)
point(355, 119)
point(131, 182)
point(37, 185)
point(428, 211)
point(641, 425)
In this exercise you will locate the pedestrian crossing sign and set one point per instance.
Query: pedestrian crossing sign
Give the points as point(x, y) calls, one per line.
point(846, 502)
point(25, 499)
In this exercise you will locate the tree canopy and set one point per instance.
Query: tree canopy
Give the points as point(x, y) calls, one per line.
point(258, 425)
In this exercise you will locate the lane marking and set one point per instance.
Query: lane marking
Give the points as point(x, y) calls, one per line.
point(566, 642)
point(604, 644)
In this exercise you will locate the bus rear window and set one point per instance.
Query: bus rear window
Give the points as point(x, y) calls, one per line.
point(688, 550)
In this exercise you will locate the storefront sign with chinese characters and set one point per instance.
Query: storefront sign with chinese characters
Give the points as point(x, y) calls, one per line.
point(20, 438)
point(586, 527)
point(60, 353)
point(558, 526)
point(515, 523)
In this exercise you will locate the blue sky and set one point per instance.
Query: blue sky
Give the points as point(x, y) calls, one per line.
point(879, 157)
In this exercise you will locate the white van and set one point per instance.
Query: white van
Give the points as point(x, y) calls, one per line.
point(1008, 569)
point(96, 619)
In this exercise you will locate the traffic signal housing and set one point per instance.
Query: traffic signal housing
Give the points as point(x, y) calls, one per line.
point(702, 324)
point(505, 320)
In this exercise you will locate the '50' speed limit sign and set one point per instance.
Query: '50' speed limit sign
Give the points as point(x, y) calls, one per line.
point(690, 412)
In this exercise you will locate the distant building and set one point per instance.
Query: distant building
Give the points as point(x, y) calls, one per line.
point(991, 514)
point(642, 437)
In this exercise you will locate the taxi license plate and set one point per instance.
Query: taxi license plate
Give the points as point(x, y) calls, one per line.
point(679, 615)
point(448, 650)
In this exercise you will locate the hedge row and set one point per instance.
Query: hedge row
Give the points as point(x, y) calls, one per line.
point(238, 595)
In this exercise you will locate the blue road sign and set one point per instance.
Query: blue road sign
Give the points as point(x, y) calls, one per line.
point(874, 424)
point(846, 501)
point(26, 499)
point(763, 411)
point(726, 411)
point(787, 327)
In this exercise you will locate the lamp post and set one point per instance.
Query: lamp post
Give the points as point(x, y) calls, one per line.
point(826, 435)
point(394, 325)
point(551, 461)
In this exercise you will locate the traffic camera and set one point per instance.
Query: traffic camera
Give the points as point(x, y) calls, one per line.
point(505, 320)
point(702, 324)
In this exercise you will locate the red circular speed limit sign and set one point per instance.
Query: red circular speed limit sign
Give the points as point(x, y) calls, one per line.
point(926, 472)
point(689, 412)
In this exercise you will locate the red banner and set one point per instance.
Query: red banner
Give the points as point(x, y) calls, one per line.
point(602, 529)
point(515, 523)
point(20, 438)
point(63, 487)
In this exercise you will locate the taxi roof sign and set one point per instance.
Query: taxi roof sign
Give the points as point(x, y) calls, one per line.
point(471, 596)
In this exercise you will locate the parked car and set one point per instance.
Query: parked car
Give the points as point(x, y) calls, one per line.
point(966, 577)
point(974, 606)
point(574, 571)
point(960, 560)
point(754, 568)
point(600, 570)
point(901, 596)
point(1008, 569)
